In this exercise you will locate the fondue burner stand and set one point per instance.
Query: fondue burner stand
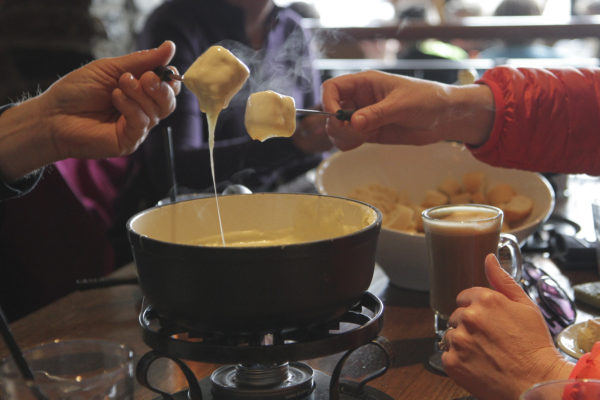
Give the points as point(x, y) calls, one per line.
point(266, 366)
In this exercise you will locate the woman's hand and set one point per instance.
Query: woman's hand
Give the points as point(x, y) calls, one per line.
point(103, 109)
point(310, 135)
point(395, 109)
point(107, 107)
point(500, 345)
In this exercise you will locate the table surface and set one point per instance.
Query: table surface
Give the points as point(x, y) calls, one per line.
point(112, 313)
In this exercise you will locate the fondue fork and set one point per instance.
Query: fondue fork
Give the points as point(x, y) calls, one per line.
point(342, 115)
point(165, 74)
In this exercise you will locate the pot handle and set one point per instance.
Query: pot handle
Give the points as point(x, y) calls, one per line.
point(143, 366)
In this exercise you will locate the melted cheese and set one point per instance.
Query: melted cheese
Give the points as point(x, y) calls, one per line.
point(215, 77)
point(270, 114)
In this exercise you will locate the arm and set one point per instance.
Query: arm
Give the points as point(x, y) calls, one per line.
point(394, 109)
point(535, 119)
point(546, 120)
point(102, 109)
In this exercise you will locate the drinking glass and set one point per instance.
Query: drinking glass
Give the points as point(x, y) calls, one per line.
point(567, 389)
point(71, 370)
point(458, 238)
point(596, 214)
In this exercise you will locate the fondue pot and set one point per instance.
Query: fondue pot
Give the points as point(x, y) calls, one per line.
point(315, 259)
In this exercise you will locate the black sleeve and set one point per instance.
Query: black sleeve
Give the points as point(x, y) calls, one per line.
point(23, 185)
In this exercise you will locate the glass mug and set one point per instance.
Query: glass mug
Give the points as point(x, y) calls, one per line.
point(458, 238)
point(85, 369)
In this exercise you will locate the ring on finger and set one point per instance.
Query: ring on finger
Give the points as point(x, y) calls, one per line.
point(444, 344)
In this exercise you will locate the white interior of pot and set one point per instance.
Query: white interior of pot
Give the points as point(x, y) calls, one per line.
point(265, 218)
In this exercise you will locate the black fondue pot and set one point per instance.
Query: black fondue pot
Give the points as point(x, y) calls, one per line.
point(235, 289)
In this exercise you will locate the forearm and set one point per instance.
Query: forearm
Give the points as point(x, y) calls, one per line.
point(25, 143)
point(470, 116)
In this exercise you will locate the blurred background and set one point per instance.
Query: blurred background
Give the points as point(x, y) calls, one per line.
point(451, 41)
point(42, 39)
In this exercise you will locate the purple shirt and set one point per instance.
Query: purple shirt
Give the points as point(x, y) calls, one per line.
point(284, 64)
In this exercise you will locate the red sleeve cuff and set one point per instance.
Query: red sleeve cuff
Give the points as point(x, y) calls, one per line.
point(491, 144)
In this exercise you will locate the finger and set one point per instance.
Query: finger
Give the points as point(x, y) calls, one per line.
point(175, 84)
point(375, 116)
point(456, 316)
point(146, 60)
point(468, 296)
point(133, 123)
point(330, 95)
point(160, 93)
point(341, 92)
point(133, 89)
point(343, 136)
point(500, 280)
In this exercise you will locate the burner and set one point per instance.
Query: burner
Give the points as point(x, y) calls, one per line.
point(358, 326)
point(265, 365)
point(285, 381)
point(347, 391)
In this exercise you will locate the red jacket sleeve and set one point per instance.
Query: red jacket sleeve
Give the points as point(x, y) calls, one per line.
point(547, 120)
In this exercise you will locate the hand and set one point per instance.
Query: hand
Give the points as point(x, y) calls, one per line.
point(103, 109)
point(107, 107)
point(310, 135)
point(394, 109)
point(500, 345)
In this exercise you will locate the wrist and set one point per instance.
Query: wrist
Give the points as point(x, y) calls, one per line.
point(25, 143)
point(472, 114)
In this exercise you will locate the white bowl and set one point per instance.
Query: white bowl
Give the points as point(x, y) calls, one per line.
point(414, 170)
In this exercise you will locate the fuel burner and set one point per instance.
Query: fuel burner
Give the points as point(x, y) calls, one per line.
point(266, 366)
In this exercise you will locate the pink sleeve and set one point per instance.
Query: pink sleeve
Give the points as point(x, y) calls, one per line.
point(546, 120)
point(96, 183)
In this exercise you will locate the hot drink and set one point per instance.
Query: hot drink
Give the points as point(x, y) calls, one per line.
point(459, 237)
point(458, 242)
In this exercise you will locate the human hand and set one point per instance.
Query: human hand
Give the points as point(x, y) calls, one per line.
point(500, 345)
point(394, 109)
point(107, 107)
point(310, 135)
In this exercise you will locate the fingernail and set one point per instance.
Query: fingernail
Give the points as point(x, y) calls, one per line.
point(154, 85)
point(359, 121)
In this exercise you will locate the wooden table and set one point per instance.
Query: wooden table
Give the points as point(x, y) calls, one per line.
point(111, 313)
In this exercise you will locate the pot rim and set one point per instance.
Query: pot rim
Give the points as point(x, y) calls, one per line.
point(377, 222)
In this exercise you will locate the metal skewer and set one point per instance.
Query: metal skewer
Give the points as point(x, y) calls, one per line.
point(342, 115)
point(165, 74)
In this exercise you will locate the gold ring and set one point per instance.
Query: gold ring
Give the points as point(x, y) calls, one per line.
point(444, 344)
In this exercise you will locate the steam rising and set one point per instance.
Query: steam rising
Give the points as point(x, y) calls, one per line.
point(284, 70)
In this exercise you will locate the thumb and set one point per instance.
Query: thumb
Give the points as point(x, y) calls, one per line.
point(146, 60)
point(373, 117)
point(500, 280)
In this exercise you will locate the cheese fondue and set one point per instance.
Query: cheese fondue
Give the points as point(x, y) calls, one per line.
point(270, 114)
point(215, 77)
point(311, 220)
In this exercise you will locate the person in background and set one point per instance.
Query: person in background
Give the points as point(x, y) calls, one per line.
point(523, 47)
point(270, 40)
point(103, 109)
point(533, 119)
point(429, 49)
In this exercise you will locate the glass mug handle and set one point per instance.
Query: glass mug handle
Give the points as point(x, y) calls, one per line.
point(509, 255)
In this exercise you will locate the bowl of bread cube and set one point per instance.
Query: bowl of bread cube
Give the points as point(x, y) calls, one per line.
point(402, 181)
